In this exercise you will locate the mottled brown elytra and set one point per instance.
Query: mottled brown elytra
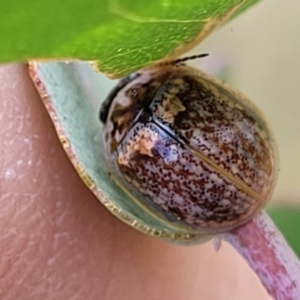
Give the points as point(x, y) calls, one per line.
point(189, 148)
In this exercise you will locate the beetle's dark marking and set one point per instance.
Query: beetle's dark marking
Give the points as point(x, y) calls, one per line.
point(111, 96)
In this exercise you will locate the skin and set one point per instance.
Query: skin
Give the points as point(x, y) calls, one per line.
point(58, 242)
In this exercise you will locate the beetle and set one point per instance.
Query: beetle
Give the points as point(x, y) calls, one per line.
point(188, 148)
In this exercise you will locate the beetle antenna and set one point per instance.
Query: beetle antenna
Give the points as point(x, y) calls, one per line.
point(180, 60)
point(183, 59)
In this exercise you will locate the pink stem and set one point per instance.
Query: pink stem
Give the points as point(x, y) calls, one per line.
point(269, 255)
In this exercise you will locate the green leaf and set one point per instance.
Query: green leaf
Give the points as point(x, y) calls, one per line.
point(123, 35)
point(287, 219)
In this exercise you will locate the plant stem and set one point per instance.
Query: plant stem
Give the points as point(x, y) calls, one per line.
point(269, 255)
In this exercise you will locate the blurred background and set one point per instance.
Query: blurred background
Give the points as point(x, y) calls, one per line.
point(259, 53)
